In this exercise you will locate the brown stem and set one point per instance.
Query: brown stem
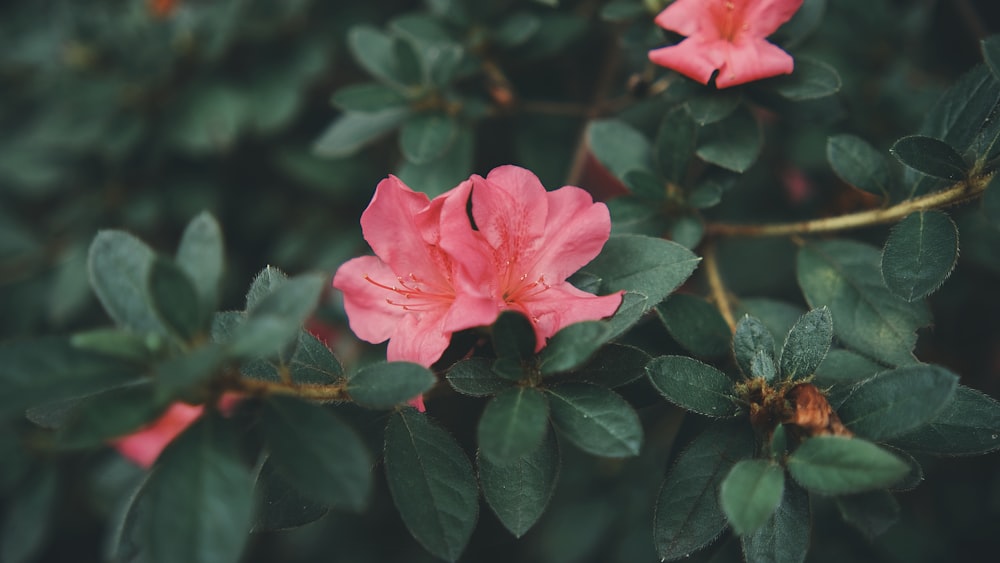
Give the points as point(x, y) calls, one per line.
point(309, 391)
point(719, 294)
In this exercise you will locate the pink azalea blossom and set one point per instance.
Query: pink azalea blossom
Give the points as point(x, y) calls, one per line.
point(728, 36)
point(435, 273)
point(144, 446)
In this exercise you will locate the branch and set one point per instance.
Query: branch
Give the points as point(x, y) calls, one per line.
point(718, 289)
point(309, 391)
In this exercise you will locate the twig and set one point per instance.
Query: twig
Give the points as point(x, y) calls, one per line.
point(717, 287)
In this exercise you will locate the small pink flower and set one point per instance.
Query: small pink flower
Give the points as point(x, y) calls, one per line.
point(728, 36)
point(144, 446)
point(435, 273)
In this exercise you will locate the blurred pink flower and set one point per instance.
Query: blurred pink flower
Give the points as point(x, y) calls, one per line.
point(435, 273)
point(728, 36)
point(144, 446)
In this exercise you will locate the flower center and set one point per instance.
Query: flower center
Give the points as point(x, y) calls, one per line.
point(521, 290)
point(416, 295)
point(729, 20)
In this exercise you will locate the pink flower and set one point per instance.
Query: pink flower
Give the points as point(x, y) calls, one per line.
point(435, 273)
point(144, 446)
point(728, 36)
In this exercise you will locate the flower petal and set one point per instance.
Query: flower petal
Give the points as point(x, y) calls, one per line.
point(144, 446)
point(694, 57)
point(419, 338)
point(575, 232)
point(371, 317)
point(764, 17)
point(562, 305)
point(752, 60)
point(686, 17)
point(472, 267)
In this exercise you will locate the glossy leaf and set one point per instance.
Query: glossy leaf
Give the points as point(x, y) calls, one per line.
point(692, 385)
point(807, 344)
point(597, 420)
point(512, 424)
point(519, 491)
point(475, 377)
point(930, 156)
point(696, 325)
point(750, 493)
point(837, 465)
point(647, 265)
point(732, 143)
point(859, 164)
point(968, 425)
point(513, 336)
point(920, 254)
point(431, 483)
point(898, 401)
point(385, 385)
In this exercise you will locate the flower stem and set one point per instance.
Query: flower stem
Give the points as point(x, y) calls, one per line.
point(309, 391)
point(719, 294)
point(957, 193)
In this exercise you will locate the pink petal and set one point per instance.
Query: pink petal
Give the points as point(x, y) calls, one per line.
point(753, 60)
point(764, 17)
point(694, 57)
point(419, 339)
point(468, 311)
point(371, 318)
point(144, 446)
point(575, 232)
point(686, 17)
point(562, 305)
point(509, 207)
point(472, 269)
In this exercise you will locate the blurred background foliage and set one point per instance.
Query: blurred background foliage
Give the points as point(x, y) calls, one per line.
point(138, 114)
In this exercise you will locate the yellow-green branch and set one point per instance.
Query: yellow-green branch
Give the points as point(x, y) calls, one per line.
point(309, 391)
point(718, 289)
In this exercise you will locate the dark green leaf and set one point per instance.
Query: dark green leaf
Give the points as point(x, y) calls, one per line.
point(692, 385)
point(845, 276)
point(196, 505)
point(572, 346)
point(452, 167)
point(516, 29)
point(811, 79)
point(713, 105)
point(118, 265)
point(383, 386)
point(751, 339)
point(264, 283)
point(688, 516)
point(836, 465)
point(375, 52)
point(859, 164)
point(621, 10)
point(512, 424)
point(108, 415)
point(695, 324)
point(275, 321)
point(898, 401)
point(475, 377)
point(619, 147)
point(513, 336)
point(687, 231)
point(614, 365)
point(426, 136)
point(118, 343)
point(784, 537)
point(352, 131)
point(919, 255)
point(208, 118)
point(732, 143)
point(778, 317)
point(596, 419)
point(175, 300)
point(634, 306)
point(846, 366)
point(762, 366)
point(30, 514)
point(645, 185)
point(188, 371)
point(750, 493)
point(675, 143)
point(647, 265)
point(202, 257)
point(807, 344)
point(431, 482)
point(368, 97)
point(930, 156)
point(968, 425)
point(320, 456)
point(519, 491)
point(871, 513)
point(313, 362)
point(280, 506)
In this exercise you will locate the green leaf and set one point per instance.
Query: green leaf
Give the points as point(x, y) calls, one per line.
point(836, 465)
point(778, 317)
point(930, 156)
point(513, 336)
point(870, 513)
point(175, 300)
point(762, 366)
point(264, 283)
point(750, 494)
point(376, 52)
point(634, 306)
point(352, 131)
point(516, 29)
point(859, 164)
point(30, 513)
point(119, 265)
point(920, 254)
point(991, 54)
point(426, 136)
point(968, 425)
point(313, 362)
point(647, 265)
point(595, 419)
point(807, 344)
point(732, 143)
point(844, 366)
point(695, 324)
point(202, 257)
point(451, 168)
point(572, 346)
point(692, 385)
point(208, 118)
point(368, 97)
point(280, 506)
point(109, 415)
point(320, 456)
point(275, 321)
point(751, 339)
point(619, 147)
point(845, 276)
point(51, 369)
point(512, 425)
point(811, 79)
point(711, 105)
point(188, 371)
point(897, 401)
point(384, 386)
point(118, 343)
point(688, 516)
point(675, 144)
point(431, 482)
point(196, 504)
point(784, 537)
point(991, 202)
point(518, 492)
point(614, 365)
point(475, 377)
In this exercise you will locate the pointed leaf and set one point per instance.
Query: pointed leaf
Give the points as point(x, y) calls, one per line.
point(647, 265)
point(713, 105)
point(276, 320)
point(930, 156)
point(750, 340)
point(431, 483)
point(202, 257)
point(263, 284)
point(512, 425)
point(111, 414)
point(692, 385)
point(384, 386)
point(596, 419)
point(807, 344)
point(762, 366)
point(859, 164)
point(750, 493)
point(519, 491)
point(920, 254)
point(968, 425)
point(837, 465)
point(475, 377)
